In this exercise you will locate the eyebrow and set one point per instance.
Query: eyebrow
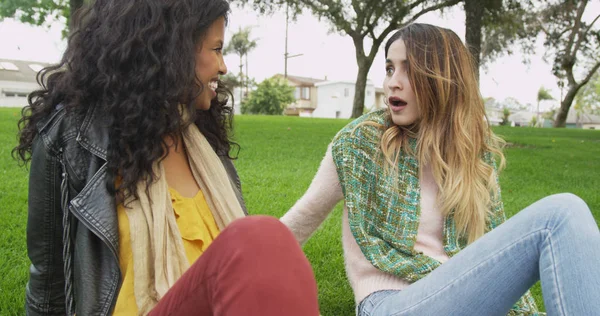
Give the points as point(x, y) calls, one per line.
point(403, 61)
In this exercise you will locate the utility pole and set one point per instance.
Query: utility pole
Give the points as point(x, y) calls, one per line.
point(286, 54)
point(241, 79)
point(247, 74)
point(287, 17)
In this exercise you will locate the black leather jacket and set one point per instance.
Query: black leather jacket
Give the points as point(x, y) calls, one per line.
point(68, 170)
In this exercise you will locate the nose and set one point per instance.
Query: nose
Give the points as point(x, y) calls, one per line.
point(222, 67)
point(395, 82)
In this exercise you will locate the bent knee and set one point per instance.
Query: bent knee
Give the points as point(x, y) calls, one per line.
point(568, 206)
point(260, 230)
point(570, 201)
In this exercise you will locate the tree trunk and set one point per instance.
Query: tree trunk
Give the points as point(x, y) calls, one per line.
point(473, 28)
point(537, 114)
point(358, 106)
point(574, 87)
point(565, 105)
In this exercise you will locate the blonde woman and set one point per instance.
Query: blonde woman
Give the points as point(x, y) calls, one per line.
point(422, 223)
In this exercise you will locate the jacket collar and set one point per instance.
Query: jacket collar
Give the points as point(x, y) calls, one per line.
point(93, 136)
point(93, 133)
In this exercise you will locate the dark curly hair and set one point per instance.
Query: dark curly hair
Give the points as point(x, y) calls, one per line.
point(134, 60)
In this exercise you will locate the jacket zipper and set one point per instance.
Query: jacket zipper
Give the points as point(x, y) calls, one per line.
point(66, 234)
point(67, 255)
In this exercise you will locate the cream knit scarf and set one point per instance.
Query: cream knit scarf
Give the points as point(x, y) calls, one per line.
point(158, 255)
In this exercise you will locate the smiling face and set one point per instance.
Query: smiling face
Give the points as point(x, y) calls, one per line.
point(399, 94)
point(209, 63)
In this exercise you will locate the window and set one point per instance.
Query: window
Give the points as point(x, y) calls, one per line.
point(302, 93)
point(338, 114)
point(36, 67)
point(12, 94)
point(346, 92)
point(6, 65)
point(305, 93)
point(368, 93)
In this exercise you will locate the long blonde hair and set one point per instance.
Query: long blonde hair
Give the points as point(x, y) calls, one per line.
point(452, 131)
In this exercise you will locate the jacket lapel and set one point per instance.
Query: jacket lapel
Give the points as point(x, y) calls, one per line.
point(94, 206)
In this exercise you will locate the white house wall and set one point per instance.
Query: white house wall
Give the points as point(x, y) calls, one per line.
point(237, 97)
point(591, 126)
point(12, 87)
point(332, 102)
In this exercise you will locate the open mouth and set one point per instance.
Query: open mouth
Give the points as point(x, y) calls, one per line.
point(213, 85)
point(396, 102)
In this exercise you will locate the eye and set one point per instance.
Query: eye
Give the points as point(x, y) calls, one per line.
point(389, 71)
point(219, 50)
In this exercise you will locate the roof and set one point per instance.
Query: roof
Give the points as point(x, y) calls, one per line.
point(351, 83)
point(304, 81)
point(313, 82)
point(522, 116)
point(583, 119)
point(20, 70)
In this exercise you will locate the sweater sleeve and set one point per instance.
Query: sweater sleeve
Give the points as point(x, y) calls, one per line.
point(321, 197)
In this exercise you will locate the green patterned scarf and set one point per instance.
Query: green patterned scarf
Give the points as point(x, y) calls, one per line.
point(384, 208)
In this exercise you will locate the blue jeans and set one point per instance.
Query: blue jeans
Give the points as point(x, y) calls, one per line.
point(555, 240)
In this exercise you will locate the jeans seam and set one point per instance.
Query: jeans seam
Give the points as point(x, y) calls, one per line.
point(369, 299)
point(556, 280)
point(464, 274)
point(554, 266)
point(360, 309)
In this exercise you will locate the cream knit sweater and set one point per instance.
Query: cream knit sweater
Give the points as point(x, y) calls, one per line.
point(322, 196)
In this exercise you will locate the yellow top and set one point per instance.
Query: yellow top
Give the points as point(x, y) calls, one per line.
point(196, 225)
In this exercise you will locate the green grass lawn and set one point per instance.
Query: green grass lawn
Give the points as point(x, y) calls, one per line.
point(278, 159)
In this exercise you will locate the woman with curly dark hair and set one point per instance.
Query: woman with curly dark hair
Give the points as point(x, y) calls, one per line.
point(131, 176)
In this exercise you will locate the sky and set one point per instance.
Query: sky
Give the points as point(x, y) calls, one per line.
point(324, 54)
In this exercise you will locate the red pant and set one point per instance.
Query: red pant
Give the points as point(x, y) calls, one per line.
point(254, 267)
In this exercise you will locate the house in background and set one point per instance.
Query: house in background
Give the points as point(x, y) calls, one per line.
point(305, 93)
point(522, 118)
point(17, 81)
point(494, 115)
point(238, 96)
point(579, 120)
point(379, 99)
point(324, 98)
point(335, 99)
point(585, 121)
